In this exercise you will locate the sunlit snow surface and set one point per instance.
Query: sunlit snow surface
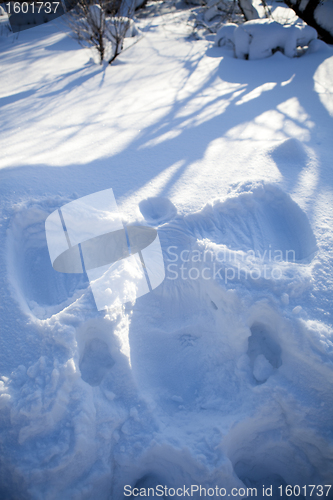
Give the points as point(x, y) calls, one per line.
point(224, 379)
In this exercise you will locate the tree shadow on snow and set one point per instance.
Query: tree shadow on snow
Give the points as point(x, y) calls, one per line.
point(262, 86)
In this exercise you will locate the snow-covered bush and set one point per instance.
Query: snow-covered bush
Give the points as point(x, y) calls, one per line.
point(262, 37)
point(211, 14)
point(5, 27)
point(208, 18)
point(215, 9)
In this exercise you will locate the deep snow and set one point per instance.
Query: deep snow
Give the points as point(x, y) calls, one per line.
point(224, 379)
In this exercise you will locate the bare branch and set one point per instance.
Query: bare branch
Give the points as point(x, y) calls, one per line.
point(102, 25)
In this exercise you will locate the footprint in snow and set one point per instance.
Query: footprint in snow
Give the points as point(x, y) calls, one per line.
point(264, 352)
point(95, 362)
point(157, 210)
point(265, 221)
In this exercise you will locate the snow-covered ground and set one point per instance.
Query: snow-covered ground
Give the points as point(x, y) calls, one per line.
point(221, 376)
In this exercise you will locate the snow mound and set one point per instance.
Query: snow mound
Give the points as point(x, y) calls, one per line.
point(323, 14)
point(289, 151)
point(261, 38)
point(317, 46)
point(322, 81)
point(225, 35)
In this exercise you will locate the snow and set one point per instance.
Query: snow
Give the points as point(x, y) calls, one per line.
point(225, 35)
point(262, 368)
point(249, 9)
point(260, 38)
point(323, 75)
point(116, 26)
point(323, 14)
point(96, 15)
point(282, 14)
point(222, 375)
